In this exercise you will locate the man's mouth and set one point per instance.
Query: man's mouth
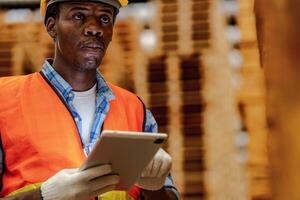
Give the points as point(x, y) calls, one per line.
point(93, 46)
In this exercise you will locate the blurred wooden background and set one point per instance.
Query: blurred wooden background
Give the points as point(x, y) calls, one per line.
point(277, 22)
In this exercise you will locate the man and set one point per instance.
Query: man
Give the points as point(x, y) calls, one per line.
point(48, 120)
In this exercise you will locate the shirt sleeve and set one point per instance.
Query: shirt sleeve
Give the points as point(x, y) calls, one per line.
point(151, 126)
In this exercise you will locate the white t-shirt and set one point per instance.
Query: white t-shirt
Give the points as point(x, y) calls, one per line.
point(85, 104)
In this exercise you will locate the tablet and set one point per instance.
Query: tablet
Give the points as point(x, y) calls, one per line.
point(127, 152)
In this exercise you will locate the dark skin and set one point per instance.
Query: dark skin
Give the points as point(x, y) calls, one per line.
point(82, 33)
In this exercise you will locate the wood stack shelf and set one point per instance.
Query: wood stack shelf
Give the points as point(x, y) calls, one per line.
point(157, 87)
point(175, 101)
point(200, 24)
point(23, 48)
point(192, 108)
point(118, 64)
point(182, 26)
point(174, 85)
point(7, 44)
point(5, 62)
point(252, 99)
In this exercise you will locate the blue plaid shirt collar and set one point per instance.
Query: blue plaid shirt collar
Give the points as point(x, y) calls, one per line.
point(66, 90)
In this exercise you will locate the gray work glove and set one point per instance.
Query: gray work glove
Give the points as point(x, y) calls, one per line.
point(79, 185)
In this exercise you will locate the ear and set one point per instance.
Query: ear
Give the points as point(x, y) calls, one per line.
point(51, 27)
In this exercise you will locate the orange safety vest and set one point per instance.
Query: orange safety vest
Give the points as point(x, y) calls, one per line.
point(39, 135)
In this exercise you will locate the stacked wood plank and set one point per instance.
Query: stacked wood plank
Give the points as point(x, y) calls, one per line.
point(226, 175)
point(118, 64)
point(175, 100)
point(23, 47)
point(173, 89)
point(192, 107)
point(182, 27)
point(251, 98)
point(7, 43)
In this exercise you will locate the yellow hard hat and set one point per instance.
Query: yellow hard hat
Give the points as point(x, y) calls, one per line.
point(115, 3)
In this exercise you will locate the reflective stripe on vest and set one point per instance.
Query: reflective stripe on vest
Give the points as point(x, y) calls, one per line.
point(26, 189)
point(114, 195)
point(28, 116)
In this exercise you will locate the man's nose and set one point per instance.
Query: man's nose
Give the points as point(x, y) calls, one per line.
point(93, 29)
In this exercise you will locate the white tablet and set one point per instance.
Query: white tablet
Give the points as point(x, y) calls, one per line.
point(128, 153)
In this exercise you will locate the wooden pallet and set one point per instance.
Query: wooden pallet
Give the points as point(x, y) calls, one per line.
point(23, 48)
point(252, 99)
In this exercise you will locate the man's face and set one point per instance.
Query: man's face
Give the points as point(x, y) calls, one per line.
point(82, 33)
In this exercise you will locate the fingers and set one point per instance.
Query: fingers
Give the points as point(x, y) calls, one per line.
point(75, 184)
point(103, 184)
point(103, 181)
point(95, 172)
point(146, 172)
point(157, 163)
point(103, 190)
point(159, 166)
point(165, 166)
point(69, 171)
point(151, 183)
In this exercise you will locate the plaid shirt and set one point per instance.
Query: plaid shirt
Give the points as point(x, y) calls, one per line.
point(103, 96)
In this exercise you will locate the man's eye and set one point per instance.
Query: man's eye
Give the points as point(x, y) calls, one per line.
point(105, 19)
point(78, 16)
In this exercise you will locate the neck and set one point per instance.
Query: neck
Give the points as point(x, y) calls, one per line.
point(80, 80)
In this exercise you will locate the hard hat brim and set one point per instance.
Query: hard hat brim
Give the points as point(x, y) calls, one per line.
point(115, 3)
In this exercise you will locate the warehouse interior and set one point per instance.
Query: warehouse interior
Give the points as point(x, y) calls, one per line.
point(197, 66)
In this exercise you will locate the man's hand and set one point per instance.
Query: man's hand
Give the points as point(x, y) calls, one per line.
point(79, 185)
point(154, 175)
